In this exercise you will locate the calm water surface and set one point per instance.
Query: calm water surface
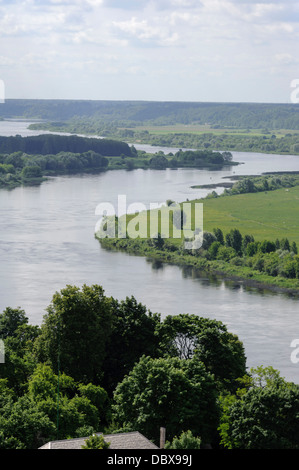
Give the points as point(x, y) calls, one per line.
point(47, 241)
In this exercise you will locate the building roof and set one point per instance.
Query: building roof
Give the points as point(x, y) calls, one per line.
point(128, 440)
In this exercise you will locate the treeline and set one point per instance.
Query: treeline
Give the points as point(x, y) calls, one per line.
point(268, 143)
point(236, 115)
point(189, 159)
point(53, 144)
point(19, 168)
point(28, 160)
point(273, 258)
point(256, 184)
point(94, 356)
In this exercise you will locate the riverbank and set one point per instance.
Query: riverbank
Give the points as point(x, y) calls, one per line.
point(248, 277)
point(257, 246)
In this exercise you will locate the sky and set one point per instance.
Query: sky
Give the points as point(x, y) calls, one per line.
point(152, 50)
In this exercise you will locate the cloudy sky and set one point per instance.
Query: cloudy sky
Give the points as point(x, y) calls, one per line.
point(165, 50)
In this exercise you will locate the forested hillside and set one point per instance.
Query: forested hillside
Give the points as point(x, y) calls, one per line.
point(237, 115)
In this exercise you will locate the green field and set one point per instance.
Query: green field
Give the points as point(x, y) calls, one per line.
point(206, 129)
point(265, 215)
point(270, 215)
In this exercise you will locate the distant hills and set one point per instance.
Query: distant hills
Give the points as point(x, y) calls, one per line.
point(217, 115)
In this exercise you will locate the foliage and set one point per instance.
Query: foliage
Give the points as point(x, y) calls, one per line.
point(75, 331)
point(23, 425)
point(186, 336)
point(263, 415)
point(171, 392)
point(10, 320)
point(185, 441)
point(96, 442)
point(46, 144)
point(133, 334)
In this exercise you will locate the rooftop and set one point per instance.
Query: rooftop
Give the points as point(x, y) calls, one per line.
point(128, 440)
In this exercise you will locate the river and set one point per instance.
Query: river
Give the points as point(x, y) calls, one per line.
point(47, 242)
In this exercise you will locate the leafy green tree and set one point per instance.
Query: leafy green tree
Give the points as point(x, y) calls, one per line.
point(222, 353)
point(33, 171)
point(178, 334)
point(226, 253)
point(213, 250)
point(23, 425)
point(133, 335)
point(262, 415)
point(234, 240)
point(267, 246)
point(247, 239)
point(284, 244)
point(219, 235)
point(99, 398)
point(207, 240)
point(175, 393)
point(185, 441)
point(75, 331)
point(252, 248)
point(10, 320)
point(96, 442)
point(69, 405)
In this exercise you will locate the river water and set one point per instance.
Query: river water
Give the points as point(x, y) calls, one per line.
point(47, 242)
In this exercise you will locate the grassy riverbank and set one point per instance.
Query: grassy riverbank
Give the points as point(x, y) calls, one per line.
point(251, 237)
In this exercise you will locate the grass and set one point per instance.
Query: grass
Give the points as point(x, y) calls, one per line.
point(265, 215)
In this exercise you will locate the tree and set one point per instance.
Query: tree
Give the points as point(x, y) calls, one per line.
point(267, 246)
point(213, 250)
point(178, 334)
point(96, 442)
point(69, 405)
point(33, 171)
point(75, 332)
point(175, 393)
point(10, 320)
point(262, 415)
point(133, 334)
point(208, 239)
point(223, 355)
point(23, 425)
point(185, 441)
point(219, 235)
point(234, 240)
point(185, 336)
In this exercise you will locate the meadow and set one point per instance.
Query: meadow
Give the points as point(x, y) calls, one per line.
point(268, 221)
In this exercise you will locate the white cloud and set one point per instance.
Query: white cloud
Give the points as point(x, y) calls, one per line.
point(145, 32)
point(143, 45)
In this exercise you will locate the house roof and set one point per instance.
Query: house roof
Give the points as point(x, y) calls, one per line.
point(128, 440)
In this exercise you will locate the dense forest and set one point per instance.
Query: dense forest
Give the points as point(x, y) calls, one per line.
point(93, 356)
point(52, 144)
point(237, 115)
point(29, 160)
